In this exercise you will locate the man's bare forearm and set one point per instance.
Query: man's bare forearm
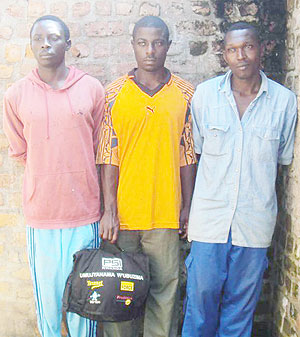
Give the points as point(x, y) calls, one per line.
point(187, 177)
point(109, 181)
point(109, 223)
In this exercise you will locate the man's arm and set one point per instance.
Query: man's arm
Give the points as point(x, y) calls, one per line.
point(98, 114)
point(187, 177)
point(109, 223)
point(13, 129)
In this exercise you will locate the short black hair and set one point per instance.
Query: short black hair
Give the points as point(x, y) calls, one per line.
point(152, 21)
point(56, 19)
point(243, 25)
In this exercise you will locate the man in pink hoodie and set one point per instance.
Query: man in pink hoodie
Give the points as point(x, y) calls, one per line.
point(51, 119)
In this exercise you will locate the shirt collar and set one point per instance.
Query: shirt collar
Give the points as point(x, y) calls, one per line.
point(225, 84)
point(166, 80)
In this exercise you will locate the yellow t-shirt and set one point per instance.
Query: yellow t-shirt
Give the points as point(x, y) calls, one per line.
point(148, 135)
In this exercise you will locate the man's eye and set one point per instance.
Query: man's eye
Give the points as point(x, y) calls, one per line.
point(249, 46)
point(142, 44)
point(231, 50)
point(36, 38)
point(54, 37)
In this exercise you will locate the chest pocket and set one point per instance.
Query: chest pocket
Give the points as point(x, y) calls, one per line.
point(265, 144)
point(215, 139)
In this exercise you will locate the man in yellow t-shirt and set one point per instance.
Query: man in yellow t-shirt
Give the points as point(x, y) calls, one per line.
point(147, 171)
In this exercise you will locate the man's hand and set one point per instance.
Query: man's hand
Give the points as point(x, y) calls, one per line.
point(109, 226)
point(183, 222)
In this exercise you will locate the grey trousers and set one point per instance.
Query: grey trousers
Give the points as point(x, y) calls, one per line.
point(161, 312)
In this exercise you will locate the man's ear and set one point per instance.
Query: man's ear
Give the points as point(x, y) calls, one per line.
point(224, 56)
point(69, 43)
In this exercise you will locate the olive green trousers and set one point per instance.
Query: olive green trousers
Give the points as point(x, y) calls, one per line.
point(162, 305)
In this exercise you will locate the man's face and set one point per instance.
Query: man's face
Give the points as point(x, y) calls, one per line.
point(48, 43)
point(242, 53)
point(150, 48)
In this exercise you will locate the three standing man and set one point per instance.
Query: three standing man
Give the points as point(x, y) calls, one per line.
point(243, 125)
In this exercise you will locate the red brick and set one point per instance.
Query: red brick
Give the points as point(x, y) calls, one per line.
point(5, 32)
point(125, 48)
point(103, 8)
point(6, 71)
point(3, 142)
point(23, 30)
point(123, 8)
point(116, 28)
point(80, 50)
point(5, 180)
point(16, 10)
point(36, 9)
point(148, 8)
point(81, 9)
point(102, 50)
point(59, 9)
point(97, 29)
point(75, 29)
point(92, 69)
point(123, 68)
point(13, 53)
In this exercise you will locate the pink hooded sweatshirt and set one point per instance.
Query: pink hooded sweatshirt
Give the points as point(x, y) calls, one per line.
point(54, 133)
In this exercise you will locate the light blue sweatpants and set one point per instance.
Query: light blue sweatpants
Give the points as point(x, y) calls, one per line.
point(223, 286)
point(50, 255)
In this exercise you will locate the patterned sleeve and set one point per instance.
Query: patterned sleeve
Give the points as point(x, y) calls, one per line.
point(108, 144)
point(187, 153)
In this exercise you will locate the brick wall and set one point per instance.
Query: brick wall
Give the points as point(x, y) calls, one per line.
point(285, 252)
point(100, 33)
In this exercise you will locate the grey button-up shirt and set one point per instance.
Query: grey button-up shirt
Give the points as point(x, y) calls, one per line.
point(235, 184)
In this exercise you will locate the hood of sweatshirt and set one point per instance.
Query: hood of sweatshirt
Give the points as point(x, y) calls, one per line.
point(74, 76)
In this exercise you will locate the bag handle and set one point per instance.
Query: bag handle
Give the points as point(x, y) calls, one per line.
point(113, 245)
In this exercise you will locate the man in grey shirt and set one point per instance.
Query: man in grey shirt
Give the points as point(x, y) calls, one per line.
point(243, 126)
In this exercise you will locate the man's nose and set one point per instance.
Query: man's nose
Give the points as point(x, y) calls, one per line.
point(150, 49)
point(45, 44)
point(240, 53)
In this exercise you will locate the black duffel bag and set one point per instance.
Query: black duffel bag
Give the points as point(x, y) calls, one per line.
point(105, 286)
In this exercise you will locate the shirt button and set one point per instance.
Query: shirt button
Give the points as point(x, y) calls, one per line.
point(239, 150)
